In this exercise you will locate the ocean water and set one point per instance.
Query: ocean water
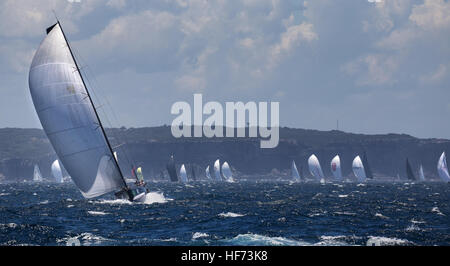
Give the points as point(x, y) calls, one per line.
point(242, 213)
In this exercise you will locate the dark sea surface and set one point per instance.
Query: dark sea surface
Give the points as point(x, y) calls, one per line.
point(243, 213)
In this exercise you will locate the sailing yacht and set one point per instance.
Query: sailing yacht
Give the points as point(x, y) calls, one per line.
point(358, 169)
point(37, 176)
point(171, 169)
point(315, 169)
point(409, 171)
point(421, 175)
point(295, 174)
point(208, 174)
point(183, 174)
point(71, 122)
point(217, 170)
point(226, 171)
point(442, 168)
point(336, 167)
point(57, 172)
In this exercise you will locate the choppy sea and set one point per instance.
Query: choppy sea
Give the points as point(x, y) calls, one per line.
point(242, 213)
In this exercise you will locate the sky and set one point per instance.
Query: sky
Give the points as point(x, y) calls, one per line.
point(377, 66)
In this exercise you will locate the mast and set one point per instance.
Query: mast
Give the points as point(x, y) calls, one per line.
point(130, 196)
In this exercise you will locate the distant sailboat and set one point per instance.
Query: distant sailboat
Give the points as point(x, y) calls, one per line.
point(226, 170)
point(336, 167)
point(409, 172)
point(171, 170)
point(57, 172)
point(217, 170)
point(140, 176)
point(208, 174)
point(442, 168)
point(315, 169)
point(295, 174)
point(421, 175)
point(37, 176)
point(358, 169)
point(183, 174)
point(70, 120)
point(367, 169)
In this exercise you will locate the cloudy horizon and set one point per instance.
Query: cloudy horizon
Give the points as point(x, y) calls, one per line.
point(376, 66)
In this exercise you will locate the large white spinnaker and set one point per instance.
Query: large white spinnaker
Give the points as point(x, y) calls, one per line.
point(57, 172)
point(295, 174)
point(68, 117)
point(217, 170)
point(442, 168)
point(358, 169)
point(37, 176)
point(226, 171)
point(183, 174)
point(421, 174)
point(208, 174)
point(336, 167)
point(314, 168)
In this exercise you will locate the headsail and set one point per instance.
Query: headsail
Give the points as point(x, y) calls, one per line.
point(358, 169)
point(336, 167)
point(409, 172)
point(208, 174)
point(171, 169)
point(421, 174)
point(226, 171)
point(314, 167)
point(37, 176)
point(295, 174)
point(183, 174)
point(57, 172)
point(140, 176)
point(217, 170)
point(69, 118)
point(442, 168)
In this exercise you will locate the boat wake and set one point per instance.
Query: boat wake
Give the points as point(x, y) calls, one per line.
point(230, 214)
point(260, 240)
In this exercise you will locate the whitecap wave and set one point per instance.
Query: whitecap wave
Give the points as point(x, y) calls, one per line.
point(97, 213)
point(150, 198)
point(379, 215)
point(386, 241)
point(230, 215)
point(198, 235)
point(260, 240)
point(84, 239)
point(437, 211)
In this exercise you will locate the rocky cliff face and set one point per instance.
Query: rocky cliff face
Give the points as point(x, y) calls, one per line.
point(150, 148)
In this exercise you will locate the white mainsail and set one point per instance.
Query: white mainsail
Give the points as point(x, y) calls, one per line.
point(37, 176)
point(57, 172)
point(183, 174)
point(295, 174)
point(69, 119)
point(421, 175)
point(358, 169)
point(208, 174)
point(217, 170)
point(336, 167)
point(226, 171)
point(442, 168)
point(314, 167)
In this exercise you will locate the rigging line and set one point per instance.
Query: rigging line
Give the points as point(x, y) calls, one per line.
point(92, 86)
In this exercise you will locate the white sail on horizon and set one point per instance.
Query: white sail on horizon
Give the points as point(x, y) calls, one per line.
point(69, 119)
point(226, 170)
point(358, 169)
point(442, 168)
point(208, 174)
point(183, 174)
point(57, 172)
point(295, 174)
point(421, 174)
point(217, 170)
point(336, 167)
point(37, 176)
point(314, 167)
